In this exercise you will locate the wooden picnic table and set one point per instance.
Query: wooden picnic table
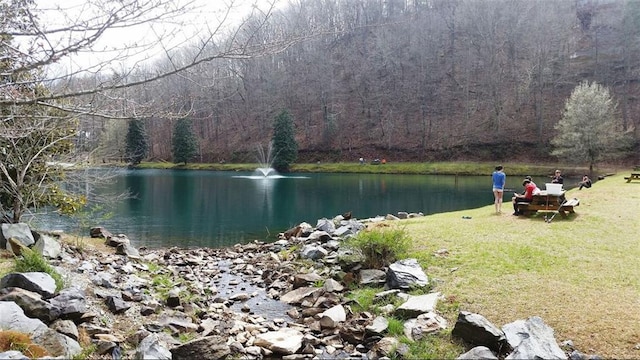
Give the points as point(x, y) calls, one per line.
point(634, 176)
point(548, 202)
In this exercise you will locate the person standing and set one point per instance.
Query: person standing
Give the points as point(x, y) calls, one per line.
point(557, 178)
point(499, 179)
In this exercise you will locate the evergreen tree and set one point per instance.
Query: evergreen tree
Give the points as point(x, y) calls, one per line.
point(589, 130)
point(184, 145)
point(285, 146)
point(137, 142)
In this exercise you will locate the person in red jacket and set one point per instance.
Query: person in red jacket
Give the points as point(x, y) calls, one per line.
point(527, 196)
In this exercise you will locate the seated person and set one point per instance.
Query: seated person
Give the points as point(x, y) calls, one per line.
point(527, 196)
point(536, 189)
point(557, 178)
point(586, 182)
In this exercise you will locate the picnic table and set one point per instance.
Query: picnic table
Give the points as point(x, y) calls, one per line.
point(634, 176)
point(548, 202)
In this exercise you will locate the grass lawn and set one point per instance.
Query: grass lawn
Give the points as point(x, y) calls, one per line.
point(581, 274)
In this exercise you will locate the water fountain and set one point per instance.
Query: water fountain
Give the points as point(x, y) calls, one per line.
point(265, 161)
point(264, 171)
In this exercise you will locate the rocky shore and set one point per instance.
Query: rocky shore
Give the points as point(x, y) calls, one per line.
point(288, 299)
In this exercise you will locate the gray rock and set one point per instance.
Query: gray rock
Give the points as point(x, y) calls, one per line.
point(99, 232)
point(57, 344)
point(31, 303)
point(173, 297)
point(12, 317)
point(296, 296)
point(115, 240)
point(326, 225)
point(418, 304)
point(344, 231)
point(532, 339)
point(350, 258)
point(331, 286)
point(103, 279)
point(285, 341)
point(66, 327)
point(313, 252)
point(416, 329)
point(406, 274)
point(386, 346)
point(38, 282)
point(300, 280)
point(20, 232)
point(116, 305)
point(13, 355)
point(318, 236)
point(477, 353)
point(333, 316)
point(71, 302)
point(379, 325)
point(372, 277)
point(151, 348)
point(48, 246)
point(210, 348)
point(128, 250)
point(477, 330)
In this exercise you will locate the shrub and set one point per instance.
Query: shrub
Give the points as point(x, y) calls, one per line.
point(381, 247)
point(14, 340)
point(31, 261)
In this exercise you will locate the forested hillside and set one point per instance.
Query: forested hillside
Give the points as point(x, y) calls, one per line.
point(400, 79)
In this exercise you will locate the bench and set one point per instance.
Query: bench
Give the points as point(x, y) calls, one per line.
point(634, 176)
point(544, 202)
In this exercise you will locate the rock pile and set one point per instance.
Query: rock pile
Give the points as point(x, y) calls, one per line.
point(284, 299)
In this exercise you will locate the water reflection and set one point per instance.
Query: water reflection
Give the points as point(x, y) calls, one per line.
point(209, 208)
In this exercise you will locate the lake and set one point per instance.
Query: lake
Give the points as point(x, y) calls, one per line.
point(189, 208)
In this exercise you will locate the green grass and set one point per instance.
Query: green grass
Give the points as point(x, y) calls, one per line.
point(381, 247)
point(580, 274)
point(460, 168)
point(31, 261)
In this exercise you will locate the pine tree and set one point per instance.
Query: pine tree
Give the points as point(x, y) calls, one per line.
point(184, 145)
point(589, 130)
point(137, 142)
point(285, 146)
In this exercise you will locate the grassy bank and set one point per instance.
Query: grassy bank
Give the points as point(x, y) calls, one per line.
point(579, 274)
point(448, 168)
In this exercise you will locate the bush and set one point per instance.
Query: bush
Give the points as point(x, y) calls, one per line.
point(31, 261)
point(14, 340)
point(381, 247)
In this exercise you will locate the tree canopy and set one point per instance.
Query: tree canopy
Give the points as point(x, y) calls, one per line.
point(285, 146)
point(184, 144)
point(590, 130)
point(137, 142)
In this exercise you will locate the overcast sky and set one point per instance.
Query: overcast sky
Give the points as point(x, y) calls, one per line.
point(205, 14)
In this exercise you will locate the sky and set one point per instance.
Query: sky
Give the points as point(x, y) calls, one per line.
point(140, 44)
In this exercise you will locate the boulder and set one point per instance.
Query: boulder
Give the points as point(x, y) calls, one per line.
point(38, 282)
point(532, 339)
point(285, 341)
point(209, 347)
point(20, 232)
point(418, 304)
point(406, 274)
point(477, 330)
point(48, 246)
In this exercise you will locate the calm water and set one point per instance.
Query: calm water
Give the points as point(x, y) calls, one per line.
point(216, 209)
